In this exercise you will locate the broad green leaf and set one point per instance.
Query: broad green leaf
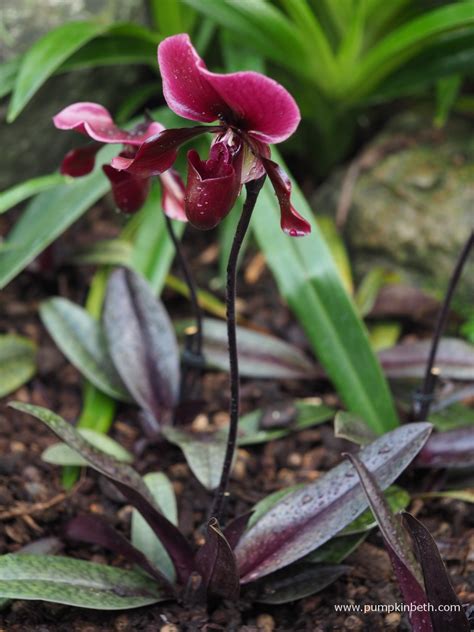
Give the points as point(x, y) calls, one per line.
point(204, 453)
point(75, 583)
point(466, 495)
point(80, 338)
point(254, 427)
point(108, 252)
point(45, 56)
point(384, 335)
point(353, 428)
point(8, 73)
point(309, 280)
point(337, 549)
point(48, 215)
point(17, 362)
point(455, 416)
point(62, 454)
point(143, 537)
point(396, 498)
point(25, 190)
point(295, 582)
point(370, 287)
point(447, 91)
point(338, 251)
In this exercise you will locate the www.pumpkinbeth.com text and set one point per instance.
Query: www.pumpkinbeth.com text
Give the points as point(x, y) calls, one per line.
point(395, 607)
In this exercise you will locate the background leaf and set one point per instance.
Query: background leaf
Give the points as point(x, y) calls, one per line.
point(17, 362)
point(80, 338)
point(143, 537)
point(45, 56)
point(308, 279)
point(62, 454)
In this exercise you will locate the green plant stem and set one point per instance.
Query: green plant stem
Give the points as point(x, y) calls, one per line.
point(424, 397)
point(253, 189)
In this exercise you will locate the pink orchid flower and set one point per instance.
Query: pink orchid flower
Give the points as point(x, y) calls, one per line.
point(129, 190)
point(253, 111)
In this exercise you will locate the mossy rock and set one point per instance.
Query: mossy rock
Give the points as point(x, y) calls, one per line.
point(412, 206)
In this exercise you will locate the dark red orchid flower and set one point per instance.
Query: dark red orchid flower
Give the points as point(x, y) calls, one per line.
point(253, 111)
point(129, 190)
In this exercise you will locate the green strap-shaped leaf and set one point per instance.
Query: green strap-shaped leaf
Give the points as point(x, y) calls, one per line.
point(80, 338)
point(48, 215)
point(309, 280)
point(17, 362)
point(45, 56)
point(27, 189)
point(75, 583)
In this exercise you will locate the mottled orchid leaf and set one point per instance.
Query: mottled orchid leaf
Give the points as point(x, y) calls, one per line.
point(127, 480)
point(438, 585)
point(94, 529)
point(142, 535)
point(353, 428)
point(295, 582)
point(399, 549)
point(451, 449)
point(217, 565)
point(278, 421)
point(235, 528)
point(142, 344)
point(454, 414)
point(260, 355)
point(80, 338)
point(62, 454)
point(17, 362)
point(311, 515)
point(204, 452)
point(75, 583)
point(454, 359)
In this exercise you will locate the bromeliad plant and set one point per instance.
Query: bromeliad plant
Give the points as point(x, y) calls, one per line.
point(273, 554)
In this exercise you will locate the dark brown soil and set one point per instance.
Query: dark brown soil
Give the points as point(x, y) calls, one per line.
point(33, 506)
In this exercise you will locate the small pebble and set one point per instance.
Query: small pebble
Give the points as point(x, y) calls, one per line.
point(265, 623)
point(200, 423)
point(353, 623)
point(392, 620)
point(169, 627)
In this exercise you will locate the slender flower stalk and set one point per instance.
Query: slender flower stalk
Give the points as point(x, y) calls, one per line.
point(194, 341)
point(424, 397)
point(253, 189)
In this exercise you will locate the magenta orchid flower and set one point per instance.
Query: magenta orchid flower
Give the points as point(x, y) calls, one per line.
point(253, 111)
point(129, 190)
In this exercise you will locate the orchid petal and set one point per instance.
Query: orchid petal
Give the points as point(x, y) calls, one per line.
point(157, 154)
point(129, 191)
point(212, 187)
point(186, 91)
point(260, 106)
point(249, 100)
point(95, 121)
point(172, 195)
point(80, 161)
point(291, 221)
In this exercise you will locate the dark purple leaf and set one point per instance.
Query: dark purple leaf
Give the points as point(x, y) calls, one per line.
point(235, 528)
point(295, 582)
point(438, 586)
point(311, 515)
point(454, 359)
point(399, 548)
point(94, 530)
point(260, 355)
point(142, 343)
point(216, 563)
point(453, 449)
point(127, 480)
point(402, 301)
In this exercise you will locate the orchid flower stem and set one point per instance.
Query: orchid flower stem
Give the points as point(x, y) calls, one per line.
point(424, 397)
point(196, 347)
point(253, 189)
